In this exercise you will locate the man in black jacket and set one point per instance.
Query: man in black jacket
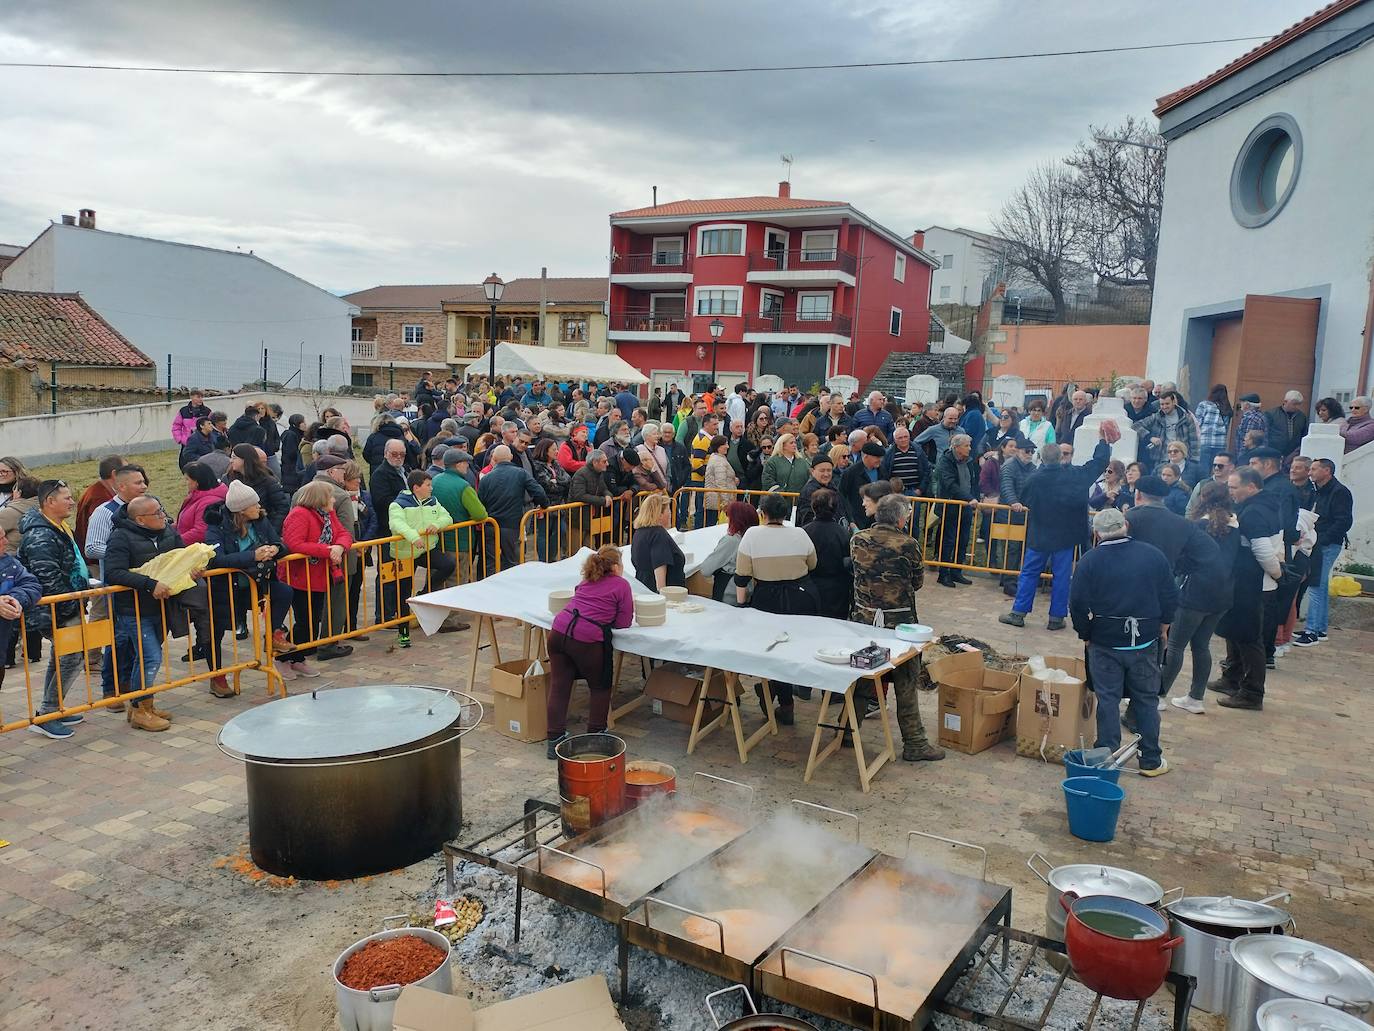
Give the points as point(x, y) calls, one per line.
point(1122, 602)
point(956, 478)
point(388, 481)
point(1335, 508)
point(503, 490)
point(140, 534)
point(1057, 523)
point(1186, 544)
point(859, 475)
point(1287, 424)
point(247, 428)
point(1268, 462)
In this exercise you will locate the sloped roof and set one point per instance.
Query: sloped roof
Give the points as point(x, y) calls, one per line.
point(63, 328)
point(727, 206)
point(561, 290)
point(1285, 37)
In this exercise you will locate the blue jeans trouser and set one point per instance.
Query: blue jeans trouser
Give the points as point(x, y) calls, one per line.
point(1132, 674)
point(1191, 629)
point(137, 671)
point(1319, 608)
point(1061, 569)
point(69, 666)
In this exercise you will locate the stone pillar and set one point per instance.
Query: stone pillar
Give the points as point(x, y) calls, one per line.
point(1087, 436)
point(1008, 392)
point(1324, 440)
point(923, 389)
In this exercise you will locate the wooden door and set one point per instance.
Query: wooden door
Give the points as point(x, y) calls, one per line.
point(1225, 359)
point(1278, 347)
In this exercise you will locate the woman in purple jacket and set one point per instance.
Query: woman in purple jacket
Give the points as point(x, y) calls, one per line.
point(580, 642)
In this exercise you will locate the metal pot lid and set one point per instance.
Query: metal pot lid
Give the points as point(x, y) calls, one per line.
point(1304, 1015)
point(1304, 969)
point(1093, 879)
point(1224, 911)
point(340, 723)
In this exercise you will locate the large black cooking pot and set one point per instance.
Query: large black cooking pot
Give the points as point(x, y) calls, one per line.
point(354, 781)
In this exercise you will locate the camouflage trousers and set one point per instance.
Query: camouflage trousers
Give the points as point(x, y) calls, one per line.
point(904, 680)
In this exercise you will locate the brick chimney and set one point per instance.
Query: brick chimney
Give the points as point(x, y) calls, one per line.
point(784, 189)
point(86, 218)
point(918, 239)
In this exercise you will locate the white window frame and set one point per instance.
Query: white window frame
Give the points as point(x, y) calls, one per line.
point(739, 301)
point(947, 261)
point(653, 304)
point(899, 267)
point(743, 240)
point(782, 297)
point(898, 312)
point(356, 334)
point(833, 247)
point(681, 252)
point(769, 233)
point(945, 293)
point(829, 295)
point(583, 318)
point(405, 331)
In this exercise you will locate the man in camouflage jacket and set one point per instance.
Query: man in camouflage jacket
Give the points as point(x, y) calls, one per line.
point(887, 574)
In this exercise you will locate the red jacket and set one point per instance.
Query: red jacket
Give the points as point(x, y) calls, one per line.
point(572, 454)
point(301, 536)
point(191, 518)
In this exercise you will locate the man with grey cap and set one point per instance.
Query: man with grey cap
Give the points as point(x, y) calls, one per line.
point(1121, 602)
point(503, 490)
point(455, 492)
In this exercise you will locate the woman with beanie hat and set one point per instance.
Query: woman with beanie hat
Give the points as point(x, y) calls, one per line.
point(244, 540)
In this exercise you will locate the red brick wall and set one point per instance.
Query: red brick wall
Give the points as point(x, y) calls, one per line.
point(390, 348)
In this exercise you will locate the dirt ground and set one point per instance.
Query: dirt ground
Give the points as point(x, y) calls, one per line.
point(125, 899)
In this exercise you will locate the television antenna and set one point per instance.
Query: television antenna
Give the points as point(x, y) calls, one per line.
point(787, 167)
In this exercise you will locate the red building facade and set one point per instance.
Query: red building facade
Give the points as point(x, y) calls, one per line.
point(806, 290)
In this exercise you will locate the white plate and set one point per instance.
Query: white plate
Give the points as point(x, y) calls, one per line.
point(834, 656)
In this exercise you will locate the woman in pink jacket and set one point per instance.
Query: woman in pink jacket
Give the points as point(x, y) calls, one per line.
point(184, 423)
point(202, 491)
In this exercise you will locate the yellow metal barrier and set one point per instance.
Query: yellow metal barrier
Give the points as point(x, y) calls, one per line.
point(553, 533)
point(77, 648)
point(689, 501)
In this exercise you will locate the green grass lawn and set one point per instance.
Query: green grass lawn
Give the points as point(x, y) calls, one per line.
point(164, 477)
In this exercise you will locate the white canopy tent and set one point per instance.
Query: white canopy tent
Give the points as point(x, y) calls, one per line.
point(526, 360)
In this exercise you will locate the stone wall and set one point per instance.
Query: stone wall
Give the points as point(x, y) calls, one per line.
point(30, 392)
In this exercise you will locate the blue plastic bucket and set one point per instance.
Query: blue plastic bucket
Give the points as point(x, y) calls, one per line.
point(1073, 767)
point(1094, 805)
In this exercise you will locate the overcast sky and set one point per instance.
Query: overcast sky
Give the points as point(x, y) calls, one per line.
point(354, 182)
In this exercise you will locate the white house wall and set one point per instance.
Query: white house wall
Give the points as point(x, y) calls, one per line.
point(1319, 245)
point(214, 310)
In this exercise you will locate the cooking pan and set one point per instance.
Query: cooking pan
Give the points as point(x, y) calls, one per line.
point(754, 1020)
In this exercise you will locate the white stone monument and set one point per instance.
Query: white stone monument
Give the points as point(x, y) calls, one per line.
point(843, 385)
point(922, 389)
point(1087, 436)
point(769, 384)
point(1008, 392)
point(1324, 440)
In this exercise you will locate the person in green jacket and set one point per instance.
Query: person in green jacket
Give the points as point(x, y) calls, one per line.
point(418, 518)
point(786, 471)
point(455, 492)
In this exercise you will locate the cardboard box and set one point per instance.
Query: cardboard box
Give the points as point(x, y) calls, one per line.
point(521, 701)
point(675, 696)
point(1052, 717)
point(701, 586)
point(583, 1005)
point(977, 704)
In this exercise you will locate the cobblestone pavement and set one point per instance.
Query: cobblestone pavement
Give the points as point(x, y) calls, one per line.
point(123, 890)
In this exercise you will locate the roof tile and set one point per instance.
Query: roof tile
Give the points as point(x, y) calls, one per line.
point(728, 205)
point(561, 290)
point(62, 328)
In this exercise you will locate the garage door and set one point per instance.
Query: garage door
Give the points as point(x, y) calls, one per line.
point(800, 364)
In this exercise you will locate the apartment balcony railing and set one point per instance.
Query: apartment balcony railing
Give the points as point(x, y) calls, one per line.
point(798, 322)
point(647, 322)
point(475, 347)
point(809, 259)
point(365, 350)
point(658, 261)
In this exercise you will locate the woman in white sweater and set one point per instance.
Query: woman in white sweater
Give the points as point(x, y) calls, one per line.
point(721, 482)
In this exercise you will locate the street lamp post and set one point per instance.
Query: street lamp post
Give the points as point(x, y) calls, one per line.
point(717, 328)
point(494, 287)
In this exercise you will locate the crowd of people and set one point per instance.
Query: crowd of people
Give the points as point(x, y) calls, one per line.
point(847, 489)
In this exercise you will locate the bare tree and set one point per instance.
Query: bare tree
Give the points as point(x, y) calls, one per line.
point(1043, 228)
point(1119, 183)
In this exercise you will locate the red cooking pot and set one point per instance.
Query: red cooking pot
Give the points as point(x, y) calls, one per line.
point(1117, 946)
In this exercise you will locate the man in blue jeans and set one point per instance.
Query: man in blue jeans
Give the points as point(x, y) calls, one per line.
point(1123, 600)
point(1335, 508)
point(1055, 497)
point(140, 534)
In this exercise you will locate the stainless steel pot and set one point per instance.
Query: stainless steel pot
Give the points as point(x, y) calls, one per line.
point(754, 1020)
point(1301, 1015)
point(1084, 879)
point(1208, 924)
point(372, 1010)
point(1278, 966)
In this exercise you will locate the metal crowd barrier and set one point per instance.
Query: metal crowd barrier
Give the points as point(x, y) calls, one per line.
point(692, 508)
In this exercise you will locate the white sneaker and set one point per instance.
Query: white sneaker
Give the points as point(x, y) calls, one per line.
point(1161, 706)
point(1281, 650)
point(1188, 704)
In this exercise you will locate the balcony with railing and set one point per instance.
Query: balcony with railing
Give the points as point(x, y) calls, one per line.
point(643, 324)
point(365, 350)
point(652, 268)
point(803, 266)
point(801, 323)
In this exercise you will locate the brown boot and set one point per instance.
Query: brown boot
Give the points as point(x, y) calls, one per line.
point(143, 718)
point(219, 687)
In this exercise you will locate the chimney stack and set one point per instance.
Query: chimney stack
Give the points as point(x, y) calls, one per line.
point(69, 220)
point(918, 239)
point(784, 189)
point(86, 218)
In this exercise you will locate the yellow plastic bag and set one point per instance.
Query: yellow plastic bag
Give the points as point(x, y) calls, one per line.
point(174, 568)
point(1344, 587)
